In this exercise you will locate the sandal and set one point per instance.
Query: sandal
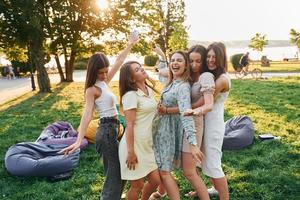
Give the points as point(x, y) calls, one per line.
point(156, 196)
point(191, 194)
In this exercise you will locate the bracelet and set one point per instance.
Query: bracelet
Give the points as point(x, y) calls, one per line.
point(163, 61)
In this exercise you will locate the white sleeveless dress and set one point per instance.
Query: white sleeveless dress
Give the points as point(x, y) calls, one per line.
point(214, 128)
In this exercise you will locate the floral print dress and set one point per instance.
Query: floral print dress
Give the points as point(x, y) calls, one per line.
point(169, 129)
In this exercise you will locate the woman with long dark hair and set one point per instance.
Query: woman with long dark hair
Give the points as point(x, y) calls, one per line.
point(99, 96)
point(214, 126)
point(136, 147)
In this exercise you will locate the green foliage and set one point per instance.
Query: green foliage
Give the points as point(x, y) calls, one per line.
point(22, 24)
point(24, 67)
point(258, 42)
point(157, 19)
point(235, 61)
point(295, 38)
point(179, 38)
point(16, 53)
point(150, 60)
point(80, 65)
point(253, 173)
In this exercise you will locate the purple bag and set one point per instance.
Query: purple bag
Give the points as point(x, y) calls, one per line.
point(60, 133)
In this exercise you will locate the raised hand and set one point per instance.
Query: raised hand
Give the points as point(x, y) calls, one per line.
point(133, 38)
point(159, 52)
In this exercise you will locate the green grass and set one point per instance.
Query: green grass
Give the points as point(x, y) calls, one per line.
point(265, 170)
point(275, 66)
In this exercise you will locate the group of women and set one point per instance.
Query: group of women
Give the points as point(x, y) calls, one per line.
point(159, 135)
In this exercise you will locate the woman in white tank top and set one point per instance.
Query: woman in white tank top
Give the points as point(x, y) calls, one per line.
point(98, 96)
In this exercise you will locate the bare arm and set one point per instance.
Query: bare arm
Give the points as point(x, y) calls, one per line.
point(130, 116)
point(207, 106)
point(160, 53)
point(133, 39)
point(222, 85)
point(164, 72)
point(84, 122)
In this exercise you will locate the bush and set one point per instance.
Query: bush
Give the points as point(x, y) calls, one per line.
point(235, 61)
point(150, 60)
point(80, 65)
point(4, 70)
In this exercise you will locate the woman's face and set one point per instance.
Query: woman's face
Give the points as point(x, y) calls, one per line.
point(195, 62)
point(102, 74)
point(138, 72)
point(211, 60)
point(177, 65)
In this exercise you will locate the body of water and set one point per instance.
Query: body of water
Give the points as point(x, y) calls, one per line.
point(272, 53)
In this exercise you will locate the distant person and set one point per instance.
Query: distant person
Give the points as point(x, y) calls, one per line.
point(245, 61)
point(18, 73)
point(11, 74)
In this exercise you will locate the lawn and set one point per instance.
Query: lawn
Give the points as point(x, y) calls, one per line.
point(275, 66)
point(265, 170)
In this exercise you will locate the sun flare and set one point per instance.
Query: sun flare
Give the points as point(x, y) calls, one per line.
point(103, 4)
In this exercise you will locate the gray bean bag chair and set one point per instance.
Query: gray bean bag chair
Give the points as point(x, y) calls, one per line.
point(60, 132)
point(239, 133)
point(37, 159)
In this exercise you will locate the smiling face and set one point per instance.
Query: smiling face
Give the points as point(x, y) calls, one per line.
point(178, 65)
point(195, 62)
point(211, 60)
point(138, 72)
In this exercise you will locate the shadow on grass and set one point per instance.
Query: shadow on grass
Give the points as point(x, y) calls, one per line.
point(24, 121)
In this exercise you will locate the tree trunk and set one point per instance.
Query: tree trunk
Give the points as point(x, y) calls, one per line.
point(70, 66)
point(37, 58)
point(60, 71)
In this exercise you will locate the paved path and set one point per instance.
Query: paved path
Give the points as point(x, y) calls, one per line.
point(11, 89)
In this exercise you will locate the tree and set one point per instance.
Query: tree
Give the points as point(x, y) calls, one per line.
point(295, 38)
point(157, 20)
point(178, 38)
point(22, 24)
point(72, 24)
point(258, 42)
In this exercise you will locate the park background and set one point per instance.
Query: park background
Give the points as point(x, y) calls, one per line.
point(67, 32)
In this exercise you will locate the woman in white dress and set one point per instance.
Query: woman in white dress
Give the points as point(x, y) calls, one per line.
point(136, 147)
point(214, 126)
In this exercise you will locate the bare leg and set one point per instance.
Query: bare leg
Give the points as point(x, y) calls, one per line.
point(170, 185)
point(135, 189)
point(153, 182)
point(190, 172)
point(222, 187)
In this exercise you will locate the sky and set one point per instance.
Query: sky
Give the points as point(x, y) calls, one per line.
point(224, 20)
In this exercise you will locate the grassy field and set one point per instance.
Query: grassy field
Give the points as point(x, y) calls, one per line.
point(275, 66)
point(265, 170)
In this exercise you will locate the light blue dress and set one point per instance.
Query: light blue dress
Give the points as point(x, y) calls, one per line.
point(169, 129)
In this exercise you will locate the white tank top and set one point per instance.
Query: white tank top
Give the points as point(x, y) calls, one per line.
point(105, 104)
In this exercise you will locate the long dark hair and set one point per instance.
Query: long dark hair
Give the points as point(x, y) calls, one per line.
point(186, 75)
point(96, 62)
point(221, 62)
point(202, 51)
point(126, 82)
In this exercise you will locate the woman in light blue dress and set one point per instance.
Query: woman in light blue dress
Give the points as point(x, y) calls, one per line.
point(169, 130)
